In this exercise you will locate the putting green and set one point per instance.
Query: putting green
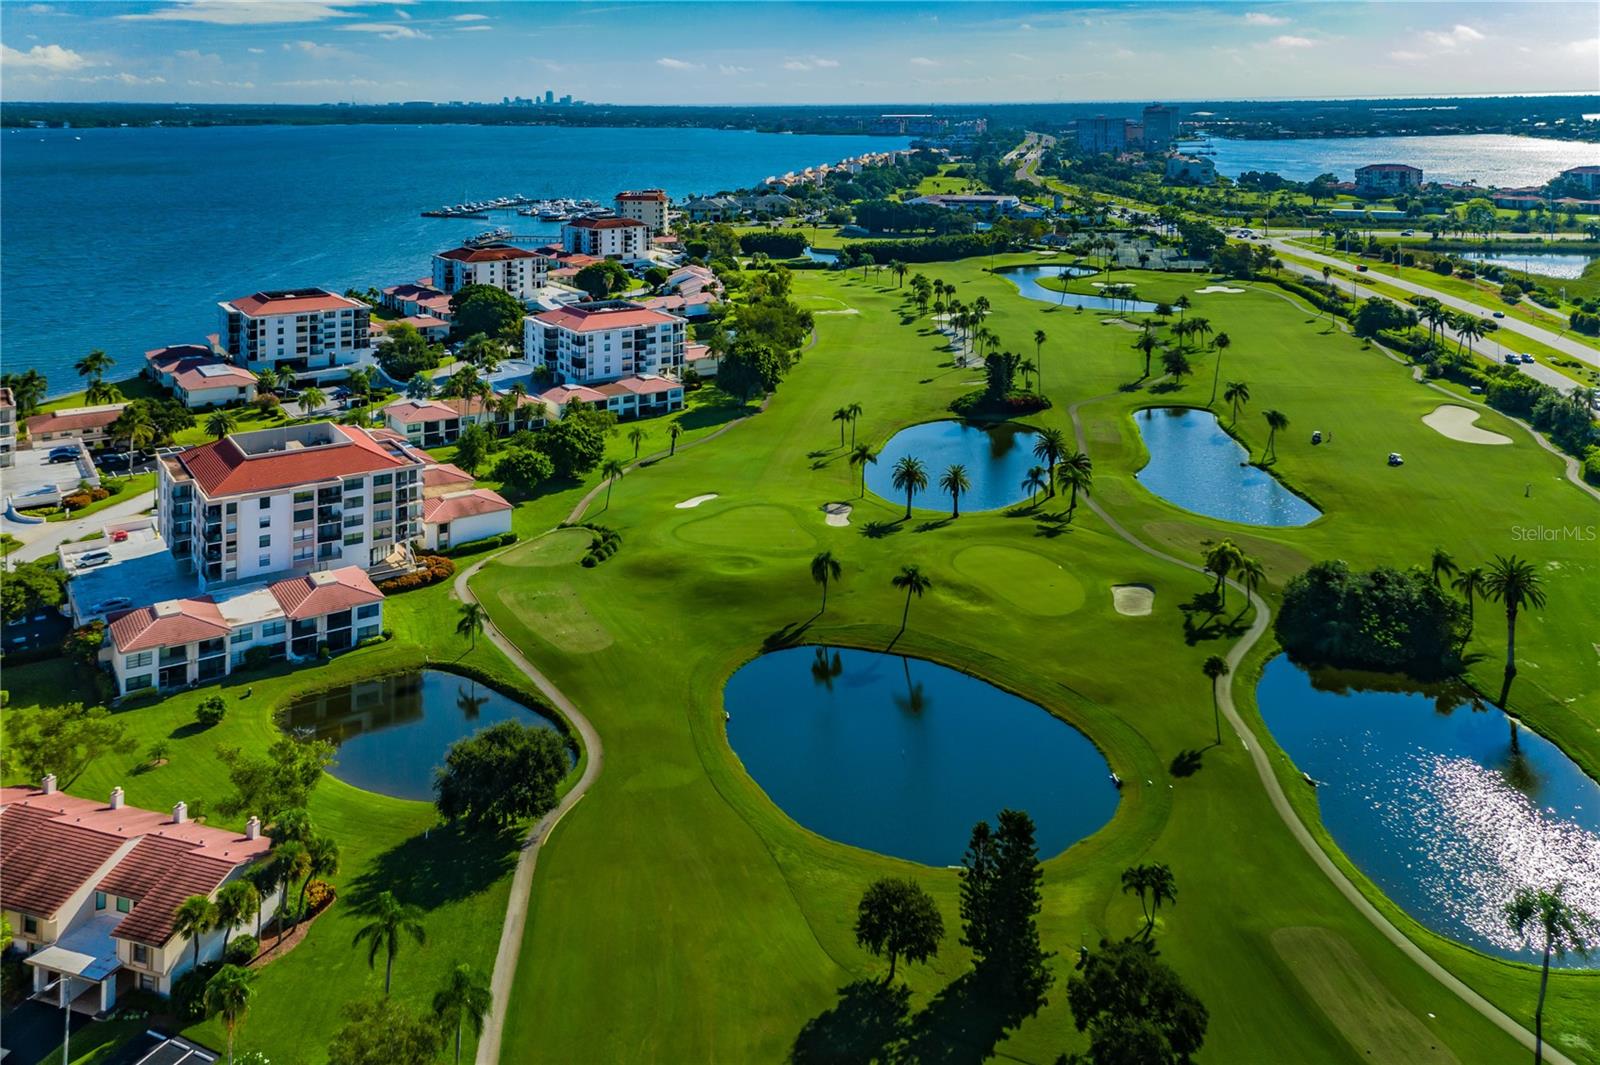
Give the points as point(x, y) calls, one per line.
point(563, 621)
point(1026, 580)
point(560, 548)
point(758, 525)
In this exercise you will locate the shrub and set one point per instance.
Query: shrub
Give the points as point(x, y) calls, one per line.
point(319, 896)
point(1380, 619)
point(605, 543)
point(84, 643)
point(211, 711)
point(1591, 466)
point(432, 569)
point(488, 543)
point(257, 657)
point(242, 950)
point(189, 992)
point(76, 501)
point(979, 404)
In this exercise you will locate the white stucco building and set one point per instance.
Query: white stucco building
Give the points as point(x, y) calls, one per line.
point(607, 238)
point(516, 270)
point(305, 332)
point(645, 205)
point(606, 340)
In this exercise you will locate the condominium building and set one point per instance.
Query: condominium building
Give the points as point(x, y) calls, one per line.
point(198, 378)
point(1160, 127)
point(291, 499)
point(1587, 176)
point(606, 238)
point(303, 331)
point(1101, 134)
point(517, 270)
point(91, 425)
point(1191, 169)
point(8, 428)
point(606, 340)
point(1386, 179)
point(645, 205)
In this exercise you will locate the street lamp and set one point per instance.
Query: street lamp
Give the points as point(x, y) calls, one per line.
point(65, 984)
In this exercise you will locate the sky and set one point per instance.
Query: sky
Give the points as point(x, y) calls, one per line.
point(315, 51)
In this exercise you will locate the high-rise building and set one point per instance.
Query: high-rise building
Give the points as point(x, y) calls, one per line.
point(1101, 134)
point(549, 96)
point(1160, 127)
point(644, 205)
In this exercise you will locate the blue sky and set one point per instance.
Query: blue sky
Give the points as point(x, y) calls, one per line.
point(299, 51)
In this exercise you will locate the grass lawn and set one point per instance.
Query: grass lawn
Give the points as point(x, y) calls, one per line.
point(386, 844)
point(131, 486)
point(735, 924)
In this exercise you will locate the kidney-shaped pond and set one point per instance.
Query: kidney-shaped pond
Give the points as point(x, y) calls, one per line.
point(903, 757)
point(1195, 465)
point(392, 732)
point(1427, 795)
point(1026, 278)
point(997, 460)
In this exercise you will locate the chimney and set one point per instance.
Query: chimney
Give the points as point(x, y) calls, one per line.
point(48, 784)
point(116, 797)
point(180, 813)
point(252, 828)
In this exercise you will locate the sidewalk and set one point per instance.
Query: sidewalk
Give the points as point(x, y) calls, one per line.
point(39, 541)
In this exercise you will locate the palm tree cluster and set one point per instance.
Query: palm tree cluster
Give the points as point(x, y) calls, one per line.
point(1073, 473)
point(1224, 559)
point(1513, 582)
point(1154, 884)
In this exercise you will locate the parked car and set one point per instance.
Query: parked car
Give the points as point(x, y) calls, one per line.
point(114, 460)
point(1361, 268)
point(93, 559)
point(1395, 459)
point(1511, 358)
point(1526, 358)
point(62, 454)
point(1408, 232)
point(116, 602)
point(1477, 390)
point(1499, 314)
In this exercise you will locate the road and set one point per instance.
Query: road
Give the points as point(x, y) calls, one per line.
point(1559, 341)
point(39, 541)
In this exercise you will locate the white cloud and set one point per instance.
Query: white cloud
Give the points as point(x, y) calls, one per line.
point(242, 12)
point(1261, 18)
point(730, 70)
point(315, 50)
point(404, 16)
point(38, 9)
point(923, 61)
point(1584, 46)
point(1407, 56)
point(388, 31)
point(51, 57)
point(222, 84)
point(256, 51)
point(475, 28)
point(123, 79)
point(194, 55)
point(469, 18)
point(1289, 40)
point(812, 62)
point(334, 83)
point(1457, 36)
point(676, 64)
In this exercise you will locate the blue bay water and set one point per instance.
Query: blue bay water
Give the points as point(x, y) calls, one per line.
point(1486, 158)
point(126, 239)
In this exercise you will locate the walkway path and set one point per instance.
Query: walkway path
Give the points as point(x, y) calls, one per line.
point(41, 540)
point(1280, 801)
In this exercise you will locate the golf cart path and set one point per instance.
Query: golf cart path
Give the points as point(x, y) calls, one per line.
point(1280, 801)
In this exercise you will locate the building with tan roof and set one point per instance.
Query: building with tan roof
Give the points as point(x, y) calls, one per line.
point(303, 332)
point(197, 377)
point(645, 205)
point(505, 266)
point(587, 343)
point(69, 425)
point(90, 890)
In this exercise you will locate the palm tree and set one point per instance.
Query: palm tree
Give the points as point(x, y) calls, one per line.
point(825, 568)
point(674, 430)
point(1182, 303)
point(391, 919)
point(290, 861)
point(955, 481)
point(1469, 583)
point(1563, 926)
point(1076, 474)
point(1251, 574)
point(221, 423)
point(1039, 339)
point(1442, 565)
point(842, 415)
point(262, 876)
point(898, 268)
point(94, 365)
point(311, 399)
point(612, 471)
point(1136, 881)
point(1238, 394)
point(1200, 326)
point(910, 477)
point(863, 456)
point(1215, 668)
point(1276, 421)
point(855, 412)
point(1038, 478)
point(911, 579)
point(135, 426)
point(470, 622)
point(1163, 887)
point(1048, 450)
point(1027, 368)
point(1220, 559)
point(1223, 342)
point(237, 900)
point(636, 437)
point(1146, 345)
point(228, 994)
point(464, 999)
point(266, 379)
point(101, 392)
point(194, 917)
point(1517, 584)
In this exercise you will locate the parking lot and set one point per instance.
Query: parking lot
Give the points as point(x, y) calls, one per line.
point(34, 481)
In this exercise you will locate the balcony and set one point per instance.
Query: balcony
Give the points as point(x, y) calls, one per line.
point(329, 532)
point(330, 552)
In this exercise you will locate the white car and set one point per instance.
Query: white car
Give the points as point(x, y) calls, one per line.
point(93, 559)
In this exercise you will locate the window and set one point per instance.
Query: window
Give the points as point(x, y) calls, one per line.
point(99, 900)
point(133, 684)
point(140, 660)
point(353, 484)
point(265, 522)
point(141, 954)
point(146, 981)
point(383, 479)
point(303, 497)
point(231, 509)
point(366, 632)
point(263, 562)
point(352, 539)
point(264, 541)
point(368, 611)
point(124, 904)
point(30, 925)
point(244, 636)
point(266, 502)
point(272, 628)
point(354, 502)
point(304, 515)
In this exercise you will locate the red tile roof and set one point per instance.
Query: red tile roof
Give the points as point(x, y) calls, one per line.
point(167, 624)
point(490, 254)
point(644, 195)
point(321, 593)
point(75, 418)
point(412, 291)
point(638, 386)
point(182, 873)
point(45, 861)
point(164, 359)
point(191, 375)
point(605, 223)
point(445, 473)
point(292, 301)
point(222, 467)
point(418, 411)
point(581, 319)
point(462, 505)
point(563, 394)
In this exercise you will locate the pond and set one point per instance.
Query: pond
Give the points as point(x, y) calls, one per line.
point(903, 757)
point(1195, 465)
point(1425, 793)
point(997, 461)
point(829, 257)
point(1545, 264)
point(1026, 278)
point(392, 732)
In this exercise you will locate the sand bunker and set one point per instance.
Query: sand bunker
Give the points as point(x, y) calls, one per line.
point(1216, 288)
point(695, 501)
point(838, 513)
point(1134, 600)
point(847, 310)
point(1456, 423)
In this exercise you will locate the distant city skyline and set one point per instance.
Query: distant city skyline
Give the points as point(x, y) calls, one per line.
point(316, 51)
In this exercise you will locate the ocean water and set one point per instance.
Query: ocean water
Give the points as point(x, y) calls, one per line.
point(1486, 158)
point(126, 239)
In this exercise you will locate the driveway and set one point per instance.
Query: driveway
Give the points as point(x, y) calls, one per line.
point(38, 541)
point(31, 1033)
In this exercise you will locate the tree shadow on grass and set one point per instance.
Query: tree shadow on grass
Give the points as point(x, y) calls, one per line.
point(445, 864)
point(877, 530)
point(723, 410)
point(865, 1025)
point(789, 635)
point(187, 729)
point(933, 524)
point(1186, 763)
point(1203, 620)
point(961, 1025)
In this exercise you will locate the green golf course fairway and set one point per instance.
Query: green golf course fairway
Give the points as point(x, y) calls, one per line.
point(678, 915)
